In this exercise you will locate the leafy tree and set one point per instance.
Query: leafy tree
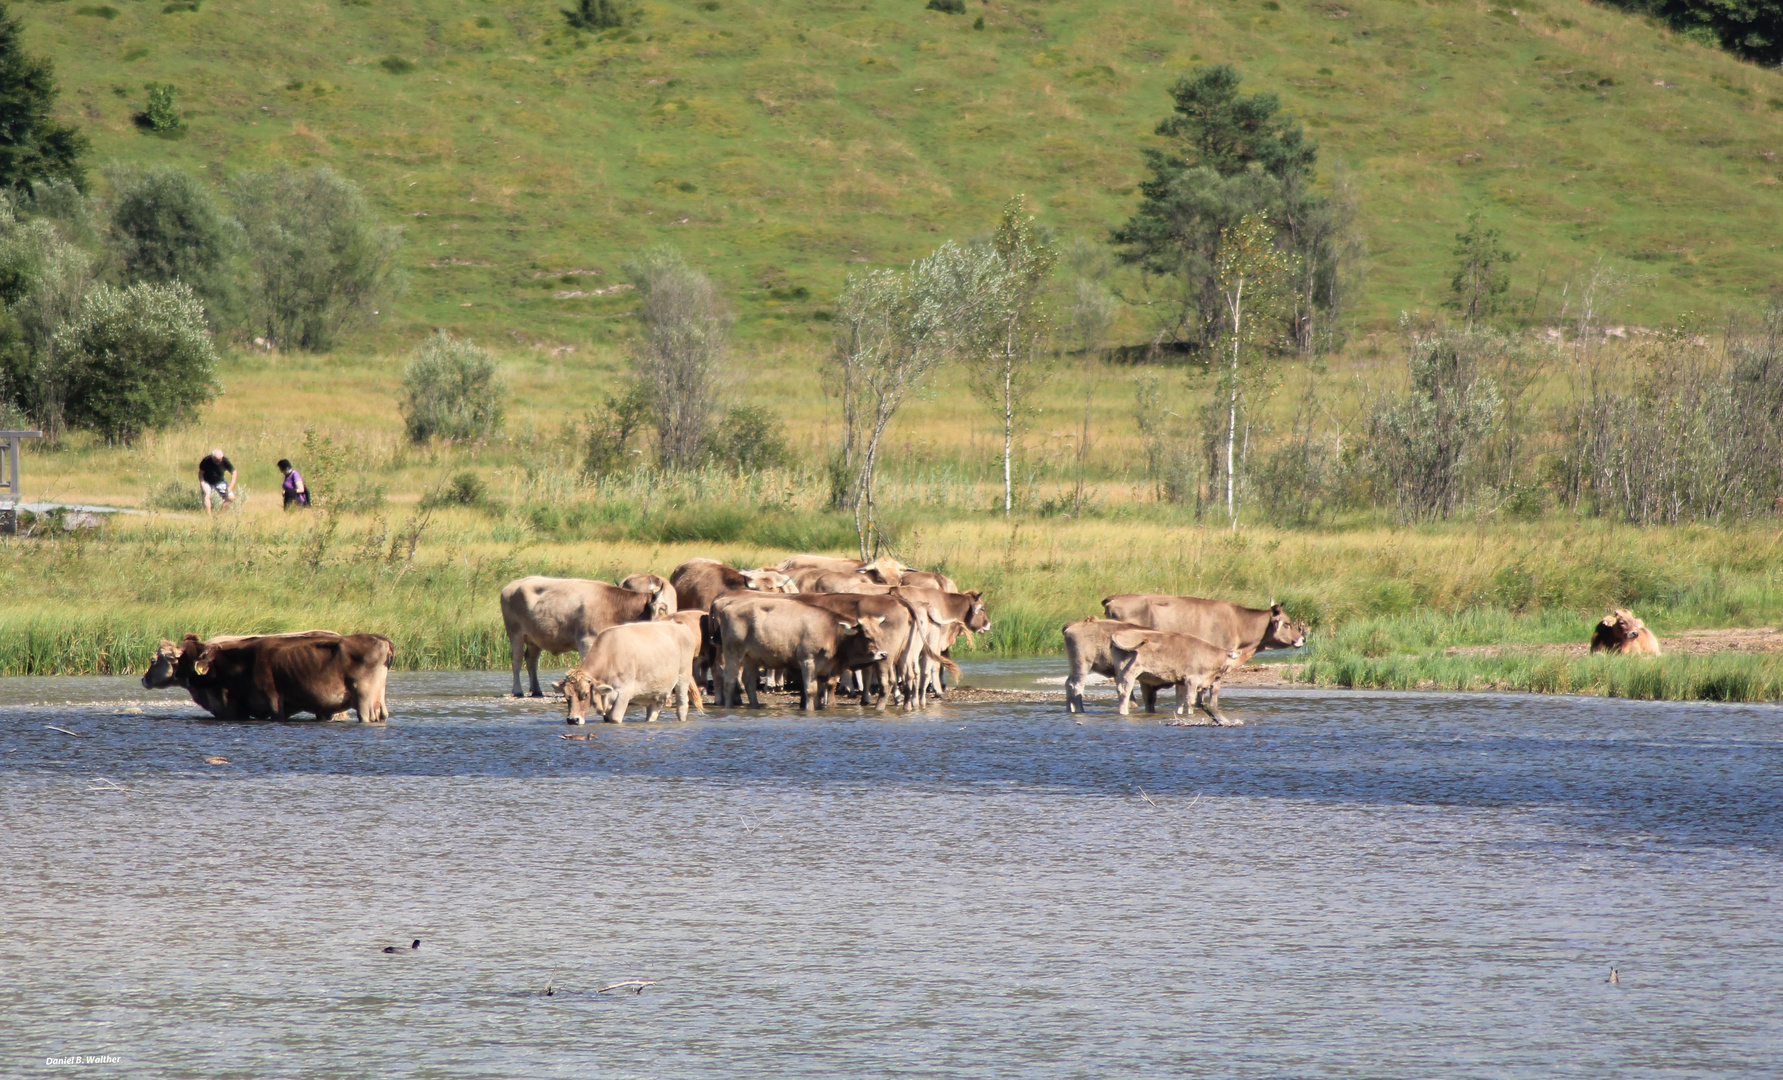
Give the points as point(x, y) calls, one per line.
point(1425, 442)
point(317, 253)
point(1752, 29)
point(1230, 155)
point(750, 438)
point(1254, 279)
point(166, 227)
point(594, 15)
point(451, 390)
point(138, 359)
point(1012, 366)
point(42, 280)
point(1481, 280)
point(163, 111)
point(33, 146)
point(610, 428)
point(686, 334)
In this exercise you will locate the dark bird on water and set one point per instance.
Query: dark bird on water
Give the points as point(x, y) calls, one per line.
point(413, 945)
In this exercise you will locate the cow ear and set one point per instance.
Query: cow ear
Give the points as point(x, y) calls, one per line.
point(1128, 640)
point(600, 688)
point(205, 659)
point(976, 594)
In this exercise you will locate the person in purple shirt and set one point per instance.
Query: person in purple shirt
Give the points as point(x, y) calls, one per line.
point(295, 492)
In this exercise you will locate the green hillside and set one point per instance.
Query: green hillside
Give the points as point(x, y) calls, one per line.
point(779, 145)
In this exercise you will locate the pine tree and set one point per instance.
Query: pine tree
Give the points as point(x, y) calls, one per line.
point(33, 146)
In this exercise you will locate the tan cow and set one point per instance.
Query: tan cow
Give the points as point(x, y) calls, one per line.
point(781, 632)
point(698, 582)
point(1158, 658)
point(653, 583)
point(896, 619)
point(1097, 646)
point(1218, 622)
point(274, 677)
point(647, 662)
point(564, 614)
point(942, 617)
point(815, 580)
point(819, 562)
point(1621, 632)
point(923, 579)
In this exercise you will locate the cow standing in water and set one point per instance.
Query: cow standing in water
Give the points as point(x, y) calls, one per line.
point(1220, 623)
point(274, 677)
point(564, 614)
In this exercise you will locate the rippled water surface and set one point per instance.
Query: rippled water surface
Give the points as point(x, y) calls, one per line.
point(1349, 885)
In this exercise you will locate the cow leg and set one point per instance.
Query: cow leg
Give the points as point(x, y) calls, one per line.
point(752, 680)
point(1212, 707)
point(1182, 698)
point(532, 669)
point(811, 693)
point(652, 711)
point(621, 702)
point(1074, 691)
point(517, 649)
point(684, 690)
point(724, 688)
point(1123, 689)
point(1151, 698)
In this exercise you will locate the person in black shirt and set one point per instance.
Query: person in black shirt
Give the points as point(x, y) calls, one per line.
point(216, 476)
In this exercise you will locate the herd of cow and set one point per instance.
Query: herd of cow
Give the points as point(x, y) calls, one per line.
point(811, 622)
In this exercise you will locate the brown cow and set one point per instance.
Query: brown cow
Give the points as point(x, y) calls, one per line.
point(1621, 632)
point(564, 614)
point(698, 582)
point(815, 580)
point(653, 583)
point(923, 579)
point(651, 663)
point(896, 619)
point(172, 666)
point(781, 632)
point(1218, 622)
point(276, 677)
point(1151, 659)
point(943, 616)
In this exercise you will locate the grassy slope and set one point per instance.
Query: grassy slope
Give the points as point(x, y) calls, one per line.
point(783, 144)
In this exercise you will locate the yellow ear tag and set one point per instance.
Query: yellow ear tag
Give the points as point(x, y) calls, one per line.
point(201, 667)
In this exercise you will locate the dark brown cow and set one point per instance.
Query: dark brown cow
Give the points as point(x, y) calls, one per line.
point(563, 614)
point(698, 582)
point(276, 677)
point(1218, 622)
point(781, 632)
point(1621, 632)
point(172, 666)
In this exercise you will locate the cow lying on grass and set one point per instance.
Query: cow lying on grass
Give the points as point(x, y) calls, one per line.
point(1621, 632)
point(276, 676)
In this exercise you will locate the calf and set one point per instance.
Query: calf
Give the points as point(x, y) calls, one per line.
point(1218, 622)
point(1090, 647)
point(651, 663)
point(1156, 658)
point(564, 614)
point(1621, 632)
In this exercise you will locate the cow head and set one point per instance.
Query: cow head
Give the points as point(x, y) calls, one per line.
point(1624, 625)
point(884, 570)
point(871, 629)
point(164, 668)
point(1282, 632)
point(658, 605)
point(769, 580)
point(581, 694)
point(977, 618)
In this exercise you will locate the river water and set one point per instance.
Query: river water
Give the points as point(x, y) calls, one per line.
point(1351, 885)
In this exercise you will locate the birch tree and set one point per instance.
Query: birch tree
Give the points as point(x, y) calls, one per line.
point(1255, 279)
point(1013, 365)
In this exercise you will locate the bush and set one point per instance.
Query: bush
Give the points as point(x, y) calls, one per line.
point(466, 489)
point(396, 65)
point(451, 390)
point(951, 7)
point(317, 253)
point(594, 15)
point(686, 333)
point(610, 430)
point(175, 495)
point(167, 227)
point(136, 359)
point(162, 112)
point(749, 439)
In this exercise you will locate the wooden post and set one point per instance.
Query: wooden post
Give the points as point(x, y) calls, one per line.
point(9, 478)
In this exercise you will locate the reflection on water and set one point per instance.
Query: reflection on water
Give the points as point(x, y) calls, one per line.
point(1350, 885)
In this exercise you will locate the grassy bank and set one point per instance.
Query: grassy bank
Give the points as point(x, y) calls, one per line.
point(1383, 602)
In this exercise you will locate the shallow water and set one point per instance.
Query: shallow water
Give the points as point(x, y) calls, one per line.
point(1350, 885)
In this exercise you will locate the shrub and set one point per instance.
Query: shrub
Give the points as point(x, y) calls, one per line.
point(396, 65)
point(175, 495)
point(162, 112)
point(451, 390)
point(951, 7)
point(136, 359)
point(167, 227)
point(465, 489)
point(750, 438)
point(594, 15)
point(317, 253)
point(610, 429)
point(686, 333)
